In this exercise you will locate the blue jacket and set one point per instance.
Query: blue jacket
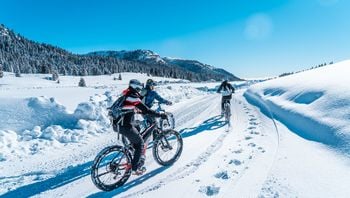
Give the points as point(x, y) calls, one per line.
point(150, 96)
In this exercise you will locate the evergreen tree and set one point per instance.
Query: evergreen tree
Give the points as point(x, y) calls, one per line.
point(18, 74)
point(54, 76)
point(17, 52)
point(82, 82)
point(1, 72)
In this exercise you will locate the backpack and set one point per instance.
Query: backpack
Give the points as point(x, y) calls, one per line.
point(115, 111)
point(227, 91)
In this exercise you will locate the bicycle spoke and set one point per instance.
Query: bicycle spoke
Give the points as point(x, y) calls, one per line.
point(99, 175)
point(110, 168)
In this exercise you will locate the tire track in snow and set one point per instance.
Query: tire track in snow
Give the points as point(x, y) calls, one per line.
point(190, 167)
point(276, 148)
point(185, 170)
point(278, 137)
point(183, 116)
point(186, 116)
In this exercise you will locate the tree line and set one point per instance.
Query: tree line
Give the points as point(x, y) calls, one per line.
point(20, 55)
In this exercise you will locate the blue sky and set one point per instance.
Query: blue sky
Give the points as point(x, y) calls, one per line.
point(250, 38)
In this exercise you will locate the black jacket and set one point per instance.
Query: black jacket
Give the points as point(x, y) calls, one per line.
point(226, 86)
point(132, 103)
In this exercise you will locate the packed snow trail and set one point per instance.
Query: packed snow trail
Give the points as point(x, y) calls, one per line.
point(70, 174)
point(247, 151)
point(257, 157)
point(213, 158)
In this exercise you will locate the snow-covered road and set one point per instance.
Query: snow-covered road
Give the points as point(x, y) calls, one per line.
point(214, 160)
point(257, 157)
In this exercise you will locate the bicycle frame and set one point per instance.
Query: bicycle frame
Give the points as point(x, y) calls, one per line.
point(145, 134)
point(159, 108)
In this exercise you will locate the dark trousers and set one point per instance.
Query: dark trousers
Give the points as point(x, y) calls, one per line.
point(134, 137)
point(223, 99)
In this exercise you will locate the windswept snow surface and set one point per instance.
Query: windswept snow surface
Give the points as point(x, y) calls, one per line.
point(50, 133)
point(314, 104)
point(311, 111)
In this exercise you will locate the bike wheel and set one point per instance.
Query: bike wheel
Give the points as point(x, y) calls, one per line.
point(111, 168)
point(167, 147)
point(227, 112)
point(169, 123)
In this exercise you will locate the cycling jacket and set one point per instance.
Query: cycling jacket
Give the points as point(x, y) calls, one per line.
point(149, 96)
point(133, 102)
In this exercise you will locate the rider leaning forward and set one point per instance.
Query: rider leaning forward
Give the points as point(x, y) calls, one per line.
point(127, 128)
point(226, 90)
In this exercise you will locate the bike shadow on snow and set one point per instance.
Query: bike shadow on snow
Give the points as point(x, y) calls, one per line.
point(130, 184)
point(210, 124)
point(71, 174)
point(68, 175)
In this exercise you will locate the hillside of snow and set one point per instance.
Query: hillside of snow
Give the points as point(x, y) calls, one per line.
point(311, 111)
point(315, 104)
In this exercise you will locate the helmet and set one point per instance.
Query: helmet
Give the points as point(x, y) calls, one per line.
point(150, 82)
point(135, 84)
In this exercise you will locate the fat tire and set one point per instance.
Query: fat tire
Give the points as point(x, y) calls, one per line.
point(94, 169)
point(157, 141)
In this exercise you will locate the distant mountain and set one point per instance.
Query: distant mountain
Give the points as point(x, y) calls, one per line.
point(21, 55)
point(149, 57)
point(146, 56)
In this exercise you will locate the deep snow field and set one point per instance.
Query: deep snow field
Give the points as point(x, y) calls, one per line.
point(289, 138)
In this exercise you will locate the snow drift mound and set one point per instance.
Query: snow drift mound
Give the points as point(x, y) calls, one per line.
point(21, 114)
point(314, 104)
point(33, 124)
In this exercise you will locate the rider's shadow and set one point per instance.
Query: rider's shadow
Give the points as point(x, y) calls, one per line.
point(67, 176)
point(130, 184)
point(210, 124)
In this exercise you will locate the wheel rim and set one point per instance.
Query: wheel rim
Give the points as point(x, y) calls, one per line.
point(168, 147)
point(227, 112)
point(111, 168)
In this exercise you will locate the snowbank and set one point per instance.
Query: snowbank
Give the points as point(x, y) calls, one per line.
point(314, 104)
point(32, 125)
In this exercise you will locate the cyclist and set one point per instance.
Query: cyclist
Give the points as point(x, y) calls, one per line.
point(149, 95)
point(127, 128)
point(227, 90)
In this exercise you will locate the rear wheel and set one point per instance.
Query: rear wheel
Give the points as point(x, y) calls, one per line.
point(111, 168)
point(227, 112)
point(167, 147)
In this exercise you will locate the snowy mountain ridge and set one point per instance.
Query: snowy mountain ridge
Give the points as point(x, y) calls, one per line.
point(150, 57)
point(21, 55)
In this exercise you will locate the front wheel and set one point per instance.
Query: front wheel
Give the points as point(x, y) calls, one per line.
point(167, 147)
point(111, 168)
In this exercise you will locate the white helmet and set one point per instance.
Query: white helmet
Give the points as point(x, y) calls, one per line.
point(135, 84)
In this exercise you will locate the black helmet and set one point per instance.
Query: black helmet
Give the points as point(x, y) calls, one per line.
point(150, 82)
point(135, 84)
